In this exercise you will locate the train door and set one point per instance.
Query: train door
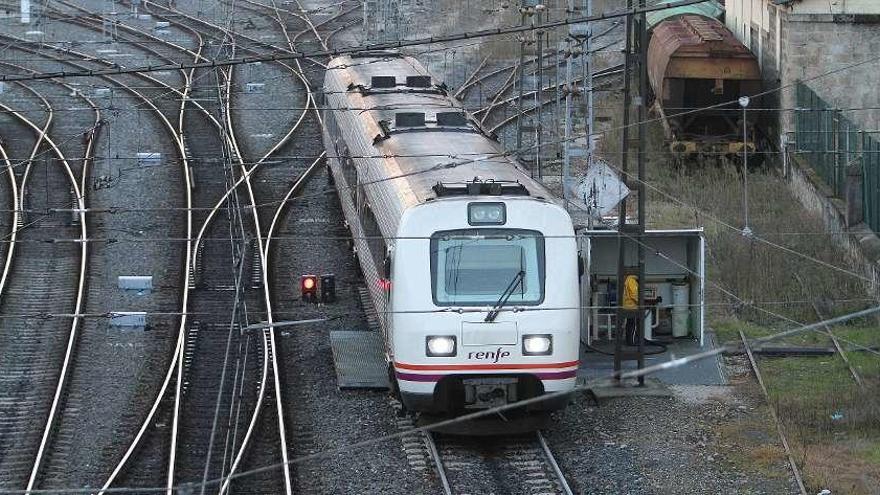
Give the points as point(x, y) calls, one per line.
point(387, 285)
point(586, 292)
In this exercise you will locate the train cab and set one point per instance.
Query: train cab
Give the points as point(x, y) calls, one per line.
point(483, 302)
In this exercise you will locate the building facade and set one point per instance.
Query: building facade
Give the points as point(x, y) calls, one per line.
point(801, 39)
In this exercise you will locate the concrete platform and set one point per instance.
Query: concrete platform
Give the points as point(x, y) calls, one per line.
point(359, 359)
point(608, 389)
point(595, 365)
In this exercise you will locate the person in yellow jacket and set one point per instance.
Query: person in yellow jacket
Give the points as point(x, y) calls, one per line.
point(631, 304)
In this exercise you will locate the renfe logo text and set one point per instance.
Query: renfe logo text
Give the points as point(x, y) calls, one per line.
point(490, 355)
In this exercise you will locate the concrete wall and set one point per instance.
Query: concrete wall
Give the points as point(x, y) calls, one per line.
point(813, 44)
point(835, 7)
point(810, 37)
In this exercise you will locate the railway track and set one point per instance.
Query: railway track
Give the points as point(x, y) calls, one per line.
point(189, 349)
point(69, 125)
point(518, 465)
point(40, 354)
point(181, 430)
point(245, 173)
point(176, 139)
point(604, 74)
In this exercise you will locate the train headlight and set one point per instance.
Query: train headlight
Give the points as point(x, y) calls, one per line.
point(440, 345)
point(486, 214)
point(537, 345)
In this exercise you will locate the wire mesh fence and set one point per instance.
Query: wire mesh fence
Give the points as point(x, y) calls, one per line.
point(832, 144)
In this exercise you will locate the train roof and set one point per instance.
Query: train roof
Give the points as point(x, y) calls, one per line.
point(711, 9)
point(426, 134)
point(694, 46)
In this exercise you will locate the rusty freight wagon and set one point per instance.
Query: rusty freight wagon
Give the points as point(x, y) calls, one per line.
point(698, 70)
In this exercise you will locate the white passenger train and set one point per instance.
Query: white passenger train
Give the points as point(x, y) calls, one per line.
point(472, 264)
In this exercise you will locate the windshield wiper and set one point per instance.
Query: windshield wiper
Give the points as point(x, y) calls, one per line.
point(517, 279)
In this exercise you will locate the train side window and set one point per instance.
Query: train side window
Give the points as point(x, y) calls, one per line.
point(378, 247)
point(350, 172)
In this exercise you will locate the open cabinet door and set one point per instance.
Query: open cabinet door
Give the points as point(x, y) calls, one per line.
point(586, 293)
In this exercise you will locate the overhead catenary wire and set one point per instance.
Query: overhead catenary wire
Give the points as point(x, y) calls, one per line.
point(354, 49)
point(778, 89)
point(582, 387)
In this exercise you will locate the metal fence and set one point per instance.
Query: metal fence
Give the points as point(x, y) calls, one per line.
point(830, 143)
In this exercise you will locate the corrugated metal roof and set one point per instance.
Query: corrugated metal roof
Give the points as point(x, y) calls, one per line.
point(710, 9)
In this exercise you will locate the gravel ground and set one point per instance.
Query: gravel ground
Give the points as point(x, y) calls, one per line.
point(634, 445)
point(321, 416)
point(678, 444)
point(116, 370)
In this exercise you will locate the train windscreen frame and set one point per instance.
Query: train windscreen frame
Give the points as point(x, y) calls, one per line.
point(474, 267)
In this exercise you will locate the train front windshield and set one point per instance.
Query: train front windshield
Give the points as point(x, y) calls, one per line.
point(475, 267)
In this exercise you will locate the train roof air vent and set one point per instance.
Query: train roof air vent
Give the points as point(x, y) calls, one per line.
point(409, 119)
point(382, 82)
point(451, 119)
point(418, 81)
point(480, 188)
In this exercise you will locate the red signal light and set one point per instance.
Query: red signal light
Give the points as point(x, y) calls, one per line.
point(308, 285)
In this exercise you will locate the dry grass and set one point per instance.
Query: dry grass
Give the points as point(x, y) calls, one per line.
point(833, 426)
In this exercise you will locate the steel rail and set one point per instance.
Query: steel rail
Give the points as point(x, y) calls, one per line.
point(504, 87)
point(544, 449)
point(530, 61)
point(608, 71)
point(438, 463)
point(780, 430)
point(551, 459)
point(508, 84)
point(303, 16)
point(87, 157)
point(269, 335)
point(612, 71)
point(72, 335)
point(834, 340)
point(75, 324)
point(268, 343)
point(179, 144)
point(471, 79)
point(191, 254)
point(16, 214)
point(18, 199)
point(246, 179)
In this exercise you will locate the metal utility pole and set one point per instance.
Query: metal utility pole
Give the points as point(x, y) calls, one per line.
point(624, 176)
point(539, 93)
point(578, 33)
point(643, 115)
point(566, 145)
point(526, 7)
point(747, 231)
point(588, 83)
point(640, 38)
